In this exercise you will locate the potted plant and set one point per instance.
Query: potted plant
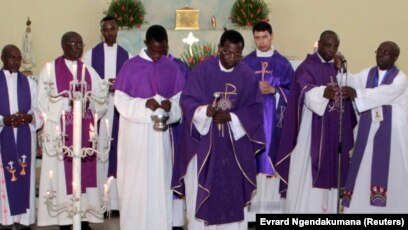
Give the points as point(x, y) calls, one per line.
point(249, 12)
point(128, 13)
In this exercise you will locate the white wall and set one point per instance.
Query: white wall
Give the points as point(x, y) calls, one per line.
point(361, 24)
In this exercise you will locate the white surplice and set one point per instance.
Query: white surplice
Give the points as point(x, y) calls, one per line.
point(144, 163)
point(29, 217)
point(395, 95)
point(103, 163)
point(52, 109)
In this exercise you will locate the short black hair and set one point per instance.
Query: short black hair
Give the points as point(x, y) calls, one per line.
point(232, 36)
point(107, 18)
point(329, 33)
point(157, 33)
point(262, 26)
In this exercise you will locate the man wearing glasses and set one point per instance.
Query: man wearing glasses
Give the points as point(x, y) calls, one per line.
point(377, 180)
point(223, 109)
point(55, 78)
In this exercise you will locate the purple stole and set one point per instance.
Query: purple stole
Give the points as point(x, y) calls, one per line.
point(381, 149)
point(98, 63)
point(325, 129)
point(18, 191)
point(88, 167)
point(277, 71)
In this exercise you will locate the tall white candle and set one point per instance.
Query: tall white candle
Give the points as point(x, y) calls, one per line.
point(74, 69)
point(96, 123)
point(45, 118)
point(107, 126)
point(83, 73)
point(51, 177)
point(48, 72)
point(63, 122)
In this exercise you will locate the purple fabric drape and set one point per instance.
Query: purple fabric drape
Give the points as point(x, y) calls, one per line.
point(88, 166)
point(381, 148)
point(12, 150)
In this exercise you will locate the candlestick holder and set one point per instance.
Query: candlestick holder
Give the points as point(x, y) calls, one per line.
point(55, 146)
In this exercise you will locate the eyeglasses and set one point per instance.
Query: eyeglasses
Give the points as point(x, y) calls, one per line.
point(76, 44)
point(231, 54)
point(384, 52)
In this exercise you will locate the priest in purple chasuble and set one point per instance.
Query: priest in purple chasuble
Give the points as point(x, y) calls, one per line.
point(54, 79)
point(19, 120)
point(274, 73)
point(223, 108)
point(148, 84)
point(107, 58)
point(377, 180)
point(307, 159)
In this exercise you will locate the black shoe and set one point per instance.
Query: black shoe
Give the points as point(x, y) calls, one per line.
point(65, 227)
point(114, 213)
point(251, 225)
point(85, 225)
point(178, 228)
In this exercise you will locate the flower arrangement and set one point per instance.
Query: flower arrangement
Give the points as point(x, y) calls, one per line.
point(197, 53)
point(249, 12)
point(129, 13)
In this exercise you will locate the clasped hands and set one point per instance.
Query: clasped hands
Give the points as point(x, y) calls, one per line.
point(218, 116)
point(153, 104)
point(17, 119)
point(266, 88)
point(334, 92)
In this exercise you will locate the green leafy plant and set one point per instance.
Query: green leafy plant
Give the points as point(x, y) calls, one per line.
point(128, 13)
point(197, 53)
point(249, 12)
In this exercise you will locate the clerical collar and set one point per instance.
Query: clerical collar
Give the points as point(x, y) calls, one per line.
point(268, 53)
point(324, 61)
point(223, 69)
point(70, 65)
point(7, 72)
point(110, 47)
point(143, 54)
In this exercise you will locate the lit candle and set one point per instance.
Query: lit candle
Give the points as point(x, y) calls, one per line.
point(63, 122)
point(96, 123)
point(45, 118)
point(50, 176)
point(107, 126)
point(91, 132)
point(73, 188)
point(83, 73)
point(48, 71)
point(74, 68)
point(316, 45)
point(57, 131)
point(105, 187)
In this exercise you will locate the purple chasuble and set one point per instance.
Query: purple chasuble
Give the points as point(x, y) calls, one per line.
point(381, 150)
point(278, 72)
point(176, 129)
point(98, 63)
point(12, 150)
point(88, 166)
point(226, 168)
point(325, 129)
point(144, 78)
